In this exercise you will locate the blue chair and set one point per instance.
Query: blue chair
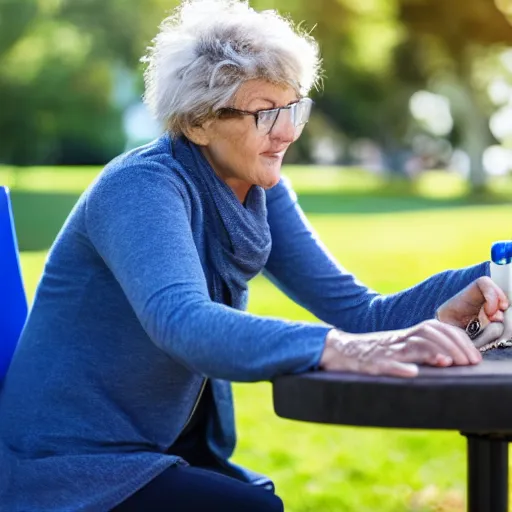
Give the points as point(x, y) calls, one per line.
point(13, 302)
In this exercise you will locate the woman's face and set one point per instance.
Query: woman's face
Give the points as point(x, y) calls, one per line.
point(240, 153)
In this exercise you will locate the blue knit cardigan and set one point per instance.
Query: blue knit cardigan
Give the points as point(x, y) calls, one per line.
point(123, 333)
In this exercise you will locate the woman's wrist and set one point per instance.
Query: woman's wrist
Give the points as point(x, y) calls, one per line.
point(333, 349)
point(345, 351)
point(329, 352)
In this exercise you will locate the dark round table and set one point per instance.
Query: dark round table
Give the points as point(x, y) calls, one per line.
point(475, 400)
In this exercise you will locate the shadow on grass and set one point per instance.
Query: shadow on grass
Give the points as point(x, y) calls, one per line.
point(346, 203)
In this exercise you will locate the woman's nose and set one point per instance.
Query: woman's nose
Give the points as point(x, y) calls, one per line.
point(284, 129)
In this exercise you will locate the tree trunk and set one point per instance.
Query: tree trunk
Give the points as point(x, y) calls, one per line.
point(471, 119)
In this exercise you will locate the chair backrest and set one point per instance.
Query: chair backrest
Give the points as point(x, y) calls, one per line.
point(13, 302)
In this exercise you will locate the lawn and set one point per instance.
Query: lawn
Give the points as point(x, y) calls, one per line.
point(325, 468)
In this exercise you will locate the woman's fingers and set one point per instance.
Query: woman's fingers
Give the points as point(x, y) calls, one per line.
point(437, 344)
point(456, 337)
point(499, 316)
point(389, 367)
point(396, 353)
point(483, 295)
point(448, 341)
point(431, 338)
point(397, 369)
point(422, 351)
point(495, 297)
point(492, 332)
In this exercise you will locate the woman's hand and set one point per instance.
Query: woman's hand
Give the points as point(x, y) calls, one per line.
point(482, 299)
point(396, 353)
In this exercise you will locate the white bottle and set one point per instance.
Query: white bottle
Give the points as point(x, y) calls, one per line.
point(501, 274)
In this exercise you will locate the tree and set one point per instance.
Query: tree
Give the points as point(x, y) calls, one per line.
point(58, 63)
point(452, 36)
point(15, 18)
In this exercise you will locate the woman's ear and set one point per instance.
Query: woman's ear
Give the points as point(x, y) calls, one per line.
point(199, 135)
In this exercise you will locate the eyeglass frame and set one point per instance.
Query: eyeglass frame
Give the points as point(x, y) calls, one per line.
point(256, 113)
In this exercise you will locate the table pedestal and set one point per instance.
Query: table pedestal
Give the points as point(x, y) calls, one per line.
point(487, 466)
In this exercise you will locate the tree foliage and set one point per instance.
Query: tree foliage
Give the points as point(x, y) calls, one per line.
point(59, 62)
point(450, 38)
point(15, 17)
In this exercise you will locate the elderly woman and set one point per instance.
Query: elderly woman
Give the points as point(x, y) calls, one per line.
point(118, 397)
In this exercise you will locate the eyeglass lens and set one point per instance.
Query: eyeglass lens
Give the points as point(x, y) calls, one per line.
point(298, 114)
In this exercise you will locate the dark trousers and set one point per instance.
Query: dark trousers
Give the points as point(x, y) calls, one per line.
point(192, 489)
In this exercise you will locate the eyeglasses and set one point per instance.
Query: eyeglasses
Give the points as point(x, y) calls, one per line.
point(298, 114)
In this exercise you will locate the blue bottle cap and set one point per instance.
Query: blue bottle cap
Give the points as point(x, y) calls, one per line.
point(501, 252)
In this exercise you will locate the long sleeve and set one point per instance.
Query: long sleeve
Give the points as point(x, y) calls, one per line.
point(302, 267)
point(138, 220)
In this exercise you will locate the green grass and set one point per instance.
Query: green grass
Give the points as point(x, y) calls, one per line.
point(306, 179)
point(327, 468)
point(54, 179)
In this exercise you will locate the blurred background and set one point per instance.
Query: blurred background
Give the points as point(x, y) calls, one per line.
point(405, 169)
point(409, 84)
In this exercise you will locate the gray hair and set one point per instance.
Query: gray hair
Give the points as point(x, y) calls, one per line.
point(207, 49)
